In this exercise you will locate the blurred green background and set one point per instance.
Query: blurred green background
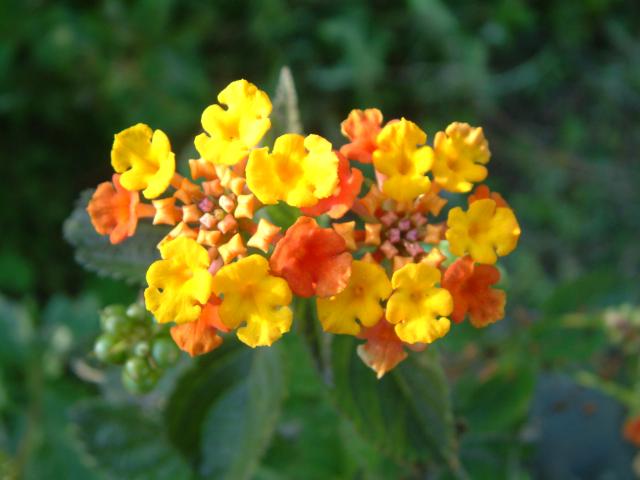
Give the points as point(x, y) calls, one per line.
point(556, 86)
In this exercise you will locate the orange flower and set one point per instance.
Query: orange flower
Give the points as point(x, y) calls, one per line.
point(362, 128)
point(469, 285)
point(383, 350)
point(313, 260)
point(482, 191)
point(632, 431)
point(349, 183)
point(200, 336)
point(113, 210)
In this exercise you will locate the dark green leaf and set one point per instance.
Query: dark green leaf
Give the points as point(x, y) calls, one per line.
point(312, 440)
point(501, 402)
point(127, 442)
point(56, 451)
point(126, 261)
point(224, 412)
point(407, 414)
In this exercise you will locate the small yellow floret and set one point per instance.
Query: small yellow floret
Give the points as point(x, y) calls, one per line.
point(144, 158)
point(368, 285)
point(180, 283)
point(400, 158)
point(417, 307)
point(299, 171)
point(460, 154)
point(252, 296)
point(231, 133)
point(483, 231)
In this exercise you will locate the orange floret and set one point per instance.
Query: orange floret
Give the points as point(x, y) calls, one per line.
point(313, 260)
point(349, 184)
point(347, 231)
point(470, 287)
point(362, 128)
point(431, 202)
point(383, 349)
point(264, 236)
point(482, 191)
point(166, 211)
point(113, 210)
point(202, 169)
point(631, 431)
point(200, 336)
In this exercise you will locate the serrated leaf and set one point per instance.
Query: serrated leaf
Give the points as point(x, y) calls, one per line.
point(406, 415)
point(224, 412)
point(126, 261)
point(127, 442)
point(313, 441)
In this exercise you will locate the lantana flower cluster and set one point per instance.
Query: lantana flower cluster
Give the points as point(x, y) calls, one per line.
point(379, 257)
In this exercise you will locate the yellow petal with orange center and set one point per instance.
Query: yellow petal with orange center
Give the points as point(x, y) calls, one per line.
point(144, 158)
point(368, 286)
point(485, 231)
point(253, 297)
point(232, 132)
point(417, 307)
point(299, 171)
point(403, 161)
point(180, 283)
point(460, 155)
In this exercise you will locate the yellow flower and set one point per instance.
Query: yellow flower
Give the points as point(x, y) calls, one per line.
point(180, 283)
point(144, 158)
point(368, 285)
point(484, 231)
point(404, 164)
point(252, 296)
point(299, 171)
point(460, 155)
point(417, 307)
point(239, 128)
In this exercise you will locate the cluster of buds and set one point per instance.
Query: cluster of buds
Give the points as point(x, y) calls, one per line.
point(377, 255)
point(132, 339)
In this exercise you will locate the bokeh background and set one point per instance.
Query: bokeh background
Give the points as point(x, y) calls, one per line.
point(556, 86)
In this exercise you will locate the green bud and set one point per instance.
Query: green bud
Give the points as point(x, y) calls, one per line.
point(141, 349)
point(116, 325)
point(108, 349)
point(165, 352)
point(143, 385)
point(137, 368)
point(109, 310)
point(137, 312)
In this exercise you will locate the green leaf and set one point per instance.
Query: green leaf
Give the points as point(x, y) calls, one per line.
point(126, 261)
point(17, 324)
point(225, 410)
point(501, 402)
point(311, 441)
point(406, 415)
point(127, 442)
point(55, 452)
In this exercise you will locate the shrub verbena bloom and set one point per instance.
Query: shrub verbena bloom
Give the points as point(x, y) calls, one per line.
point(378, 257)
